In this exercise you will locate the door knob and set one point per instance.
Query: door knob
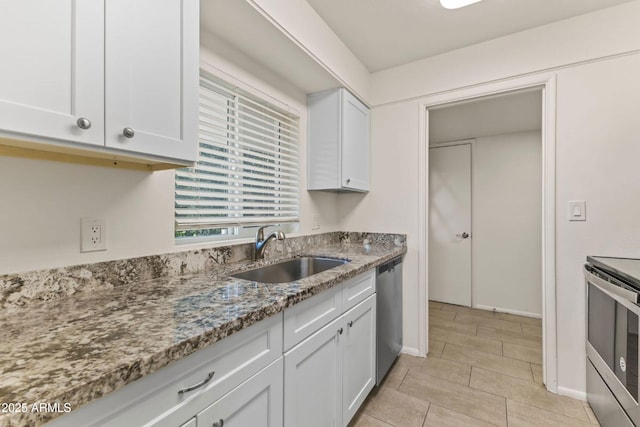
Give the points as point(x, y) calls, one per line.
point(463, 235)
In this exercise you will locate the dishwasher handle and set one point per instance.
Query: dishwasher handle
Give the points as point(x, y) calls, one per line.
point(389, 265)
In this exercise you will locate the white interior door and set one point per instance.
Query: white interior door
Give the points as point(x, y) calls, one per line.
point(450, 224)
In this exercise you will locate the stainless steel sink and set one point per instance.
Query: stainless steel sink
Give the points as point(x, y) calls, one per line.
point(290, 271)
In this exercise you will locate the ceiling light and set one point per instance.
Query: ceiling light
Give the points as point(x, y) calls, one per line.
point(456, 4)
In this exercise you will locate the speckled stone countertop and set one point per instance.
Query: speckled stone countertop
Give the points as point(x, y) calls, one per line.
point(78, 348)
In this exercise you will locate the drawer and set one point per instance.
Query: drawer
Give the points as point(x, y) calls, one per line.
point(604, 404)
point(357, 289)
point(258, 402)
point(155, 399)
point(303, 319)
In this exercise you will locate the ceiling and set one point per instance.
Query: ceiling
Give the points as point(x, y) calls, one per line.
point(387, 33)
point(494, 115)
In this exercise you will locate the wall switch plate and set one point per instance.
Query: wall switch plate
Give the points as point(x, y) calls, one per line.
point(577, 210)
point(93, 235)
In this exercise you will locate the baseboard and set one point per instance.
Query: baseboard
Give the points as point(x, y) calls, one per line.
point(508, 311)
point(411, 351)
point(569, 392)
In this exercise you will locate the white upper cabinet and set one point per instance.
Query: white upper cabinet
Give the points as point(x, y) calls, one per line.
point(51, 79)
point(116, 77)
point(151, 78)
point(338, 156)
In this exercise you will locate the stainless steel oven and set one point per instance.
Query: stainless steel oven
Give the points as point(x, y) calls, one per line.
point(612, 341)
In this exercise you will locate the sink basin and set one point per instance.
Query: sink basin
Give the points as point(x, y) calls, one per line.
point(290, 271)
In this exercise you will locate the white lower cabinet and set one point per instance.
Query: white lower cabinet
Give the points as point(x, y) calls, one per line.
point(328, 375)
point(190, 386)
point(358, 356)
point(313, 379)
point(321, 380)
point(257, 402)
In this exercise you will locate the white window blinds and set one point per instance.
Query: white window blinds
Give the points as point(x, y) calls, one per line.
point(247, 167)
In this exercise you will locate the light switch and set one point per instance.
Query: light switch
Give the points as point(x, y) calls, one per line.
point(577, 210)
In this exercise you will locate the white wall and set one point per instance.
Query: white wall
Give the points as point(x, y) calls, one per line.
point(597, 161)
point(597, 151)
point(391, 206)
point(598, 34)
point(42, 202)
point(507, 222)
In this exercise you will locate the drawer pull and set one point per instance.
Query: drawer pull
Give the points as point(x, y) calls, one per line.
point(340, 331)
point(219, 423)
point(350, 323)
point(200, 384)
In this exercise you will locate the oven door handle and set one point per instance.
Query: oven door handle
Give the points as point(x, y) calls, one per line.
point(616, 292)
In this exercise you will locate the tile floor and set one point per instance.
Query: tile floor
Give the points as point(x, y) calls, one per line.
point(483, 369)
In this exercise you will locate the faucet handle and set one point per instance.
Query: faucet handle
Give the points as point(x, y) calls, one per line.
point(260, 233)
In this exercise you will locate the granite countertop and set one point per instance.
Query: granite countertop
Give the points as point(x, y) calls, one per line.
point(78, 348)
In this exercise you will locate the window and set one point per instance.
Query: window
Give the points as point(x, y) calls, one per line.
point(247, 168)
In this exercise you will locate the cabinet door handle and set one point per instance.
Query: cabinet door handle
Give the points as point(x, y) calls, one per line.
point(348, 180)
point(350, 323)
point(83, 123)
point(128, 132)
point(219, 423)
point(200, 384)
point(340, 331)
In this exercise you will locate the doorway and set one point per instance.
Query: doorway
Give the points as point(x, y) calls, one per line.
point(490, 182)
point(545, 83)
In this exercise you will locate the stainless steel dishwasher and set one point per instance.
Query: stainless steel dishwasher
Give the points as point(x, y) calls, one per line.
point(389, 315)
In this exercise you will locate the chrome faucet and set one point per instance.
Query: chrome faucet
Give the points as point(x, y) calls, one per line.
point(261, 242)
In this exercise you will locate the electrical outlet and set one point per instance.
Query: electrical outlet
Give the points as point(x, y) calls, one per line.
point(93, 235)
point(316, 222)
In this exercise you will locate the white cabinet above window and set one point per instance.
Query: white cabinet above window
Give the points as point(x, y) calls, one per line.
point(52, 72)
point(338, 154)
point(112, 79)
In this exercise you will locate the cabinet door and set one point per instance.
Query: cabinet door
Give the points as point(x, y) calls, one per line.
point(355, 143)
point(313, 380)
point(257, 402)
point(52, 69)
point(151, 76)
point(305, 318)
point(359, 356)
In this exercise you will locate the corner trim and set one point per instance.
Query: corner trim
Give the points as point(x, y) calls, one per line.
point(575, 394)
